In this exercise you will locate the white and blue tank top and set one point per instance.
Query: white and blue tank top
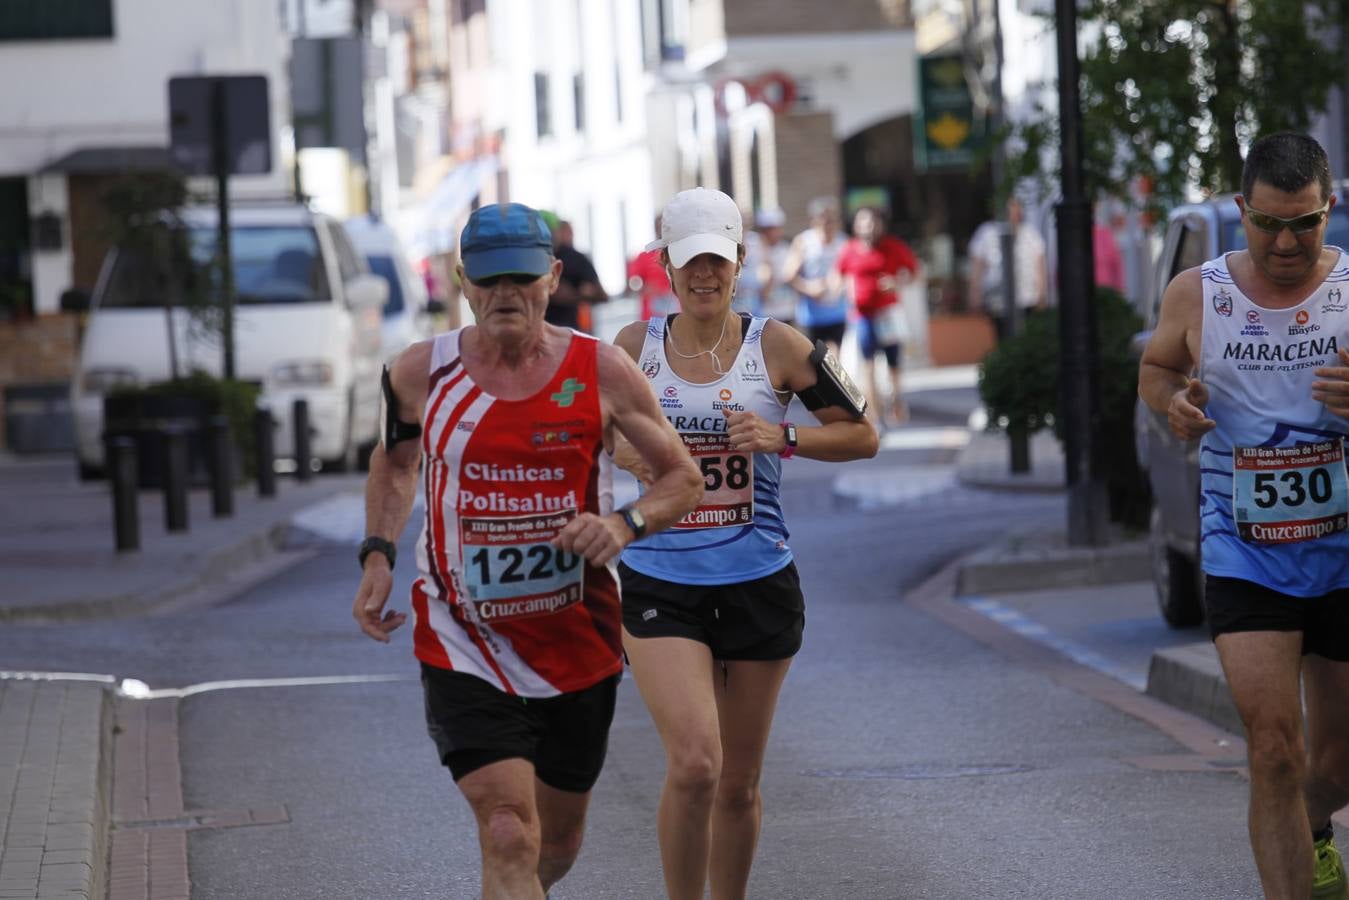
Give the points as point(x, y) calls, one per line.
point(1272, 476)
point(737, 533)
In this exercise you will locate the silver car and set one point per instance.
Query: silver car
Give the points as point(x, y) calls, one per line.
point(1195, 233)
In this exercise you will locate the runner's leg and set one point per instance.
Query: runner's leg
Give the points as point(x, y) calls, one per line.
point(746, 700)
point(674, 677)
point(503, 801)
point(1262, 672)
point(562, 819)
point(1327, 692)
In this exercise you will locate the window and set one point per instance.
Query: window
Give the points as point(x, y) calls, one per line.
point(349, 263)
point(1193, 248)
point(386, 268)
point(578, 92)
point(45, 20)
point(271, 265)
point(543, 122)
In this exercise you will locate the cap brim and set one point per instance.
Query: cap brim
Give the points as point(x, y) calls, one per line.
point(508, 261)
point(683, 250)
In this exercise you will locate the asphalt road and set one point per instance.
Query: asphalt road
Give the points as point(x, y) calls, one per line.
point(907, 761)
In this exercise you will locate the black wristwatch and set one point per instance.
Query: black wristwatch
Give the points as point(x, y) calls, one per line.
point(789, 440)
point(377, 545)
point(633, 518)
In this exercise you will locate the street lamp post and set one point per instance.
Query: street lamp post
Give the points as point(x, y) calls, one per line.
point(1087, 519)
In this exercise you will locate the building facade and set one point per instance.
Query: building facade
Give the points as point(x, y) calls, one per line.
point(94, 104)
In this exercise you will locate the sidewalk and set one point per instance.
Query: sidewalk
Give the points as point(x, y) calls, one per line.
point(1041, 565)
point(59, 563)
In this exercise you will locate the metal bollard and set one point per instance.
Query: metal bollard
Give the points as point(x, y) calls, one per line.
point(300, 427)
point(264, 442)
point(222, 466)
point(120, 457)
point(1018, 438)
point(175, 478)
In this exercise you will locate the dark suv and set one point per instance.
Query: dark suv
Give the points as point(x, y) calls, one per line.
point(1195, 233)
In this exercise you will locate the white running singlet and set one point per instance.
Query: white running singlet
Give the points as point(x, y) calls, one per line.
point(1273, 498)
point(737, 533)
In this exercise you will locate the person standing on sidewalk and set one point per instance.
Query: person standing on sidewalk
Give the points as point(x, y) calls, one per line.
point(712, 609)
point(516, 613)
point(1250, 355)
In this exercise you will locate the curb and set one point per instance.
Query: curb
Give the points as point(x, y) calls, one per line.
point(57, 761)
point(250, 550)
point(1020, 565)
point(1191, 678)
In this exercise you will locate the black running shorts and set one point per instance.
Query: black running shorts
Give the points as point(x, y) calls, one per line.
point(1233, 604)
point(761, 619)
point(473, 724)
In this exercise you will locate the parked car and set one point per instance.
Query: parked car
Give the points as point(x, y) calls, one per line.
point(306, 325)
point(408, 312)
point(1195, 233)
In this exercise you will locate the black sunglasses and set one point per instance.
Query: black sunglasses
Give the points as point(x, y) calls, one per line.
point(519, 278)
point(1299, 224)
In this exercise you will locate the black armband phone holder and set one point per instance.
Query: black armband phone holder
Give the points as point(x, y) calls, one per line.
point(393, 431)
point(833, 386)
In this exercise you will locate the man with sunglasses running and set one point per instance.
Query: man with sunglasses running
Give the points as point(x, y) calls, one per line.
point(516, 619)
point(1251, 354)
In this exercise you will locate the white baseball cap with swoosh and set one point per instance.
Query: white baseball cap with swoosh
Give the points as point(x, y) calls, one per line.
point(699, 220)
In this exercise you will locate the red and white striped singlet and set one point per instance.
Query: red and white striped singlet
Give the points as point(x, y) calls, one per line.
point(502, 477)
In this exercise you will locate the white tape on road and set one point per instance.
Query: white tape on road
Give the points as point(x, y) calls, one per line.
point(139, 690)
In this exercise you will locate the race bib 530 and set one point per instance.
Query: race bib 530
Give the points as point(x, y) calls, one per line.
point(1286, 494)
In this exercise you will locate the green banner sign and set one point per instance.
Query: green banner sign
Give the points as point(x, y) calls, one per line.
point(947, 132)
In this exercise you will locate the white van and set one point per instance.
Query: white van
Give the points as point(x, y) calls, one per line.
point(306, 324)
point(408, 313)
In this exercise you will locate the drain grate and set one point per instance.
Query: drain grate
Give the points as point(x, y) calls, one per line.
point(919, 772)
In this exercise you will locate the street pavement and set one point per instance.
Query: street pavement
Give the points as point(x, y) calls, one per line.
point(58, 564)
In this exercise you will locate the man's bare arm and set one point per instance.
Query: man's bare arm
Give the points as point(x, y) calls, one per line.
point(1165, 381)
point(676, 486)
point(390, 491)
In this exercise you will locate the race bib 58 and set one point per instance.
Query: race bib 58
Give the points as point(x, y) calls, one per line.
point(728, 477)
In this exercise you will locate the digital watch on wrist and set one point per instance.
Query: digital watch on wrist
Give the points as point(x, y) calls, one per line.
point(633, 518)
point(788, 435)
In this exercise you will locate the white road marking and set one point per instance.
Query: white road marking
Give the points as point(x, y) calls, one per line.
point(56, 676)
point(925, 439)
point(1029, 628)
point(139, 690)
point(876, 488)
point(136, 689)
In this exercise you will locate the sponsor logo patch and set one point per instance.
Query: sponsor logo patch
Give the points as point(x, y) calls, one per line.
point(1222, 303)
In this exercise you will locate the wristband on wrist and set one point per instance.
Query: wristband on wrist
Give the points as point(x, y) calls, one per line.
point(789, 437)
point(377, 545)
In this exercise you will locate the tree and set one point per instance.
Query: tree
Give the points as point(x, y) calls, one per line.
point(1172, 90)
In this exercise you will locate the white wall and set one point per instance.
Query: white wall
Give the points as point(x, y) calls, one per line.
point(115, 92)
point(862, 77)
point(599, 178)
point(62, 96)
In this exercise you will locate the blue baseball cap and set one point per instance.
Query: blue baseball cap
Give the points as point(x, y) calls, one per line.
point(506, 238)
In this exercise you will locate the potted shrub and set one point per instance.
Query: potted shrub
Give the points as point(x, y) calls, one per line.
point(1020, 383)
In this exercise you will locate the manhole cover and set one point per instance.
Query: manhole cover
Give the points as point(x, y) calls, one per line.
point(919, 772)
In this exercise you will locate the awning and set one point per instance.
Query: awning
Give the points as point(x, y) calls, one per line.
point(436, 219)
point(108, 160)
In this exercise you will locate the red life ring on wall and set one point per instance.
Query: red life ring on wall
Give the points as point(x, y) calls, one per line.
point(776, 90)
